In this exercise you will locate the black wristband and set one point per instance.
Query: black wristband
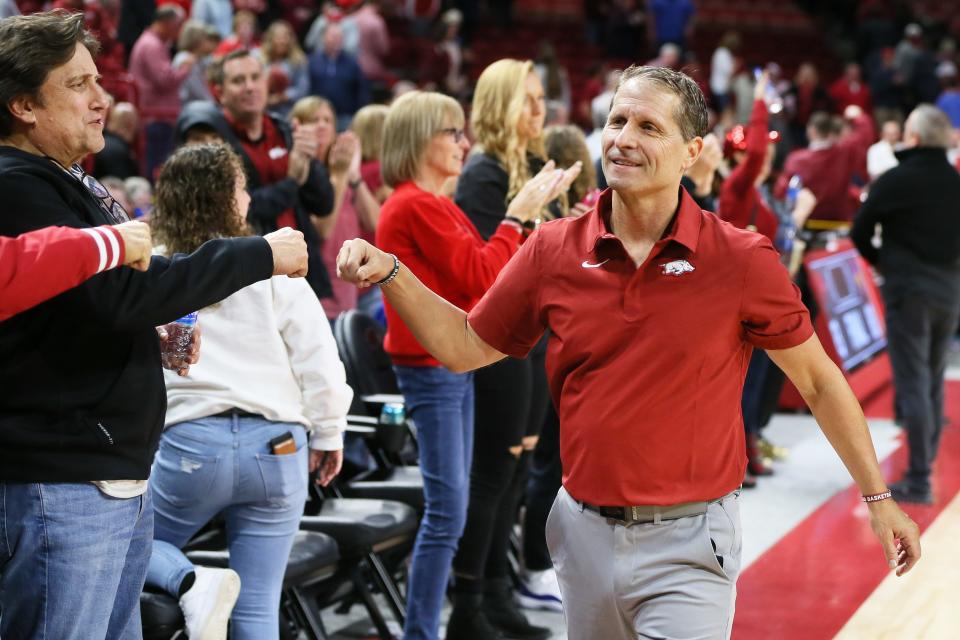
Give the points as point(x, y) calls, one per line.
point(513, 219)
point(393, 273)
point(353, 184)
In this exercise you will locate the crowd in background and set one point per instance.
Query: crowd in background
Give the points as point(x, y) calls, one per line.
point(301, 92)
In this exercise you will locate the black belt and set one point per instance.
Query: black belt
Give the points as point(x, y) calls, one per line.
point(240, 413)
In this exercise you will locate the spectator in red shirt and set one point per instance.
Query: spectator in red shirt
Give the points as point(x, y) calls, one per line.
point(851, 89)
point(39, 265)
point(648, 393)
point(741, 203)
point(830, 164)
point(288, 187)
point(424, 145)
point(751, 150)
point(158, 83)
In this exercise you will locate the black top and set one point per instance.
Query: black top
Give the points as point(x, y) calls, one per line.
point(917, 205)
point(115, 159)
point(482, 190)
point(267, 201)
point(83, 394)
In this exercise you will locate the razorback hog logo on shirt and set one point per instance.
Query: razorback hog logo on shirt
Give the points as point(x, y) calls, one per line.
point(676, 268)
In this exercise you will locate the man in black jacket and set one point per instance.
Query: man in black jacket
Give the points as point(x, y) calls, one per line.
point(287, 185)
point(83, 398)
point(915, 205)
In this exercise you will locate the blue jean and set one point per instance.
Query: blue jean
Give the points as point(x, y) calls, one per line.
point(224, 464)
point(440, 403)
point(72, 561)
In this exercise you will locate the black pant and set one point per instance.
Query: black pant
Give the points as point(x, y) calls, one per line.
point(511, 398)
point(546, 475)
point(919, 330)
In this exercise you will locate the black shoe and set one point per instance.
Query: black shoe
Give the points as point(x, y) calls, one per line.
point(503, 612)
point(906, 492)
point(467, 620)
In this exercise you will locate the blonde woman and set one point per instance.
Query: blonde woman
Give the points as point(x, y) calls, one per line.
point(355, 209)
point(368, 125)
point(423, 146)
point(286, 67)
point(511, 395)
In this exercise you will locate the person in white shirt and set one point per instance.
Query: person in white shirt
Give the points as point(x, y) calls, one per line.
point(880, 155)
point(237, 426)
point(722, 67)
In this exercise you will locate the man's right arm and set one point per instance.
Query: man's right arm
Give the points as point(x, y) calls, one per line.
point(439, 326)
point(131, 300)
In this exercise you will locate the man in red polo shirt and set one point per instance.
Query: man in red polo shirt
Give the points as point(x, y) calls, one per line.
point(654, 307)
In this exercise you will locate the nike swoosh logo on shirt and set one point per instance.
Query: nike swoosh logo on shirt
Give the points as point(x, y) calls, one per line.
point(589, 265)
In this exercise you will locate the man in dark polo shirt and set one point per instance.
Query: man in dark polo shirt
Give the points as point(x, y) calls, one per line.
point(654, 307)
point(287, 184)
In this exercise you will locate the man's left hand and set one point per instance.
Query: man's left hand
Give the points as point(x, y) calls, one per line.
point(899, 535)
point(181, 365)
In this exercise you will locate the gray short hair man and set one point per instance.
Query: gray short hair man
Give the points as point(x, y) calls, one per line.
point(644, 567)
point(915, 206)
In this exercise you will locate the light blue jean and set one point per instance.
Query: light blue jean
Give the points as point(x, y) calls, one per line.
point(224, 464)
point(441, 405)
point(72, 562)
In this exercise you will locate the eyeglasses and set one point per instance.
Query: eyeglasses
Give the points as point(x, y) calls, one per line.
point(108, 204)
point(458, 134)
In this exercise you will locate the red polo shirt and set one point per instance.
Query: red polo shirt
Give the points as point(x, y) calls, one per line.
point(646, 365)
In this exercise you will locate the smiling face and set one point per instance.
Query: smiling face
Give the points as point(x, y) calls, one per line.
point(67, 121)
point(443, 158)
point(534, 112)
point(244, 89)
point(644, 149)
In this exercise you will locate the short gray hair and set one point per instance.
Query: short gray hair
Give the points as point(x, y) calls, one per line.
point(691, 112)
point(414, 118)
point(931, 125)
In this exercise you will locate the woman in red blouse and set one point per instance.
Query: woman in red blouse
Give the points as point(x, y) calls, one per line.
point(424, 145)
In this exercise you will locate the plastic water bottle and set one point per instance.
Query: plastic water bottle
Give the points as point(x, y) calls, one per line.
point(393, 413)
point(179, 334)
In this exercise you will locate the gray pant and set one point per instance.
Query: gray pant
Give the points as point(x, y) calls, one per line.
point(919, 330)
point(676, 579)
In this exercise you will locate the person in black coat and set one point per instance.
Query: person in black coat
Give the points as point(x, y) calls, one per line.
point(915, 205)
point(83, 398)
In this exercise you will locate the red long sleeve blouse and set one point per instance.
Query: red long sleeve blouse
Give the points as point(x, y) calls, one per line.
point(740, 203)
point(434, 238)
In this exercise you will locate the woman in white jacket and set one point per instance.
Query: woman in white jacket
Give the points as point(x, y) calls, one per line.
point(238, 424)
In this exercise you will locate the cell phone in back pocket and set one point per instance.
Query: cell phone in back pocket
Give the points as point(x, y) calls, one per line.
point(283, 444)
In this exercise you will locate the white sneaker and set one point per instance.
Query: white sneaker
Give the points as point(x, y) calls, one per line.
point(540, 590)
point(207, 605)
